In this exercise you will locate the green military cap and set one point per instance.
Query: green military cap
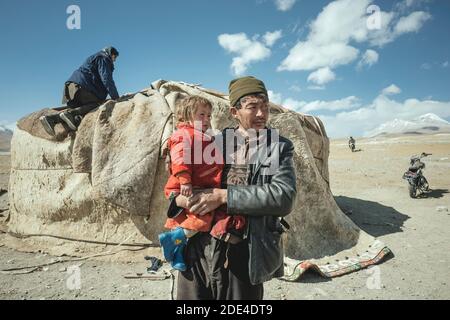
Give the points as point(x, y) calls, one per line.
point(241, 87)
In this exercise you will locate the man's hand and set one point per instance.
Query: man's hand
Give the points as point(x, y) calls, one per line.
point(207, 201)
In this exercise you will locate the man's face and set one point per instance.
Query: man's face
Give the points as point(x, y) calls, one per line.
point(113, 57)
point(253, 113)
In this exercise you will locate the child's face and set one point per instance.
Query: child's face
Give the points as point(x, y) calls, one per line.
point(203, 115)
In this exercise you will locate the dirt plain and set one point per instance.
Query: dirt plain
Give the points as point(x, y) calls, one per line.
point(366, 184)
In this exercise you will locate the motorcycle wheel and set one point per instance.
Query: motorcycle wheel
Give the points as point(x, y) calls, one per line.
point(412, 191)
point(424, 184)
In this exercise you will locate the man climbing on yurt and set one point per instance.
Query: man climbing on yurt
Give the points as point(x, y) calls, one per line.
point(85, 90)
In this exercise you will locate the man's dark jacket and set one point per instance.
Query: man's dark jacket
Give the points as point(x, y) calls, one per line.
point(96, 76)
point(266, 199)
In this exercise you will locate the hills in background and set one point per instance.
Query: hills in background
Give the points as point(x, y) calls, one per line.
point(5, 138)
point(428, 123)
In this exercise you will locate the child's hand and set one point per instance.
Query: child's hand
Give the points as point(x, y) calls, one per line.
point(186, 190)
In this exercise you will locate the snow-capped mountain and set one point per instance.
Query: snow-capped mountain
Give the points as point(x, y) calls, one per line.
point(4, 129)
point(5, 137)
point(426, 123)
point(431, 118)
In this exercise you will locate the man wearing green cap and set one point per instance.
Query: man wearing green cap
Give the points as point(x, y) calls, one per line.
point(235, 266)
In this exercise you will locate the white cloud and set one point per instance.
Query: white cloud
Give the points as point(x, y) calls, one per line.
point(234, 42)
point(247, 51)
point(416, 3)
point(392, 89)
point(322, 76)
point(352, 118)
point(284, 5)
point(350, 102)
point(295, 88)
point(445, 64)
point(271, 37)
point(339, 27)
point(383, 35)
point(293, 104)
point(361, 121)
point(310, 56)
point(316, 87)
point(327, 42)
point(425, 66)
point(410, 3)
point(274, 97)
point(406, 24)
point(369, 58)
point(411, 23)
point(347, 103)
point(341, 21)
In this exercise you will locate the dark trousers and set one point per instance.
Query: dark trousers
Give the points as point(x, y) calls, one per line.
point(78, 99)
point(207, 277)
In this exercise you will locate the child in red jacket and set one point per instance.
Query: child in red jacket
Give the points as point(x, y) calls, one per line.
point(189, 170)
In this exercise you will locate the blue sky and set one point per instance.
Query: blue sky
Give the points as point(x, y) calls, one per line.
point(212, 41)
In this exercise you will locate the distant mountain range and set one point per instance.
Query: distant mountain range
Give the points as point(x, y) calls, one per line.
point(425, 124)
point(5, 138)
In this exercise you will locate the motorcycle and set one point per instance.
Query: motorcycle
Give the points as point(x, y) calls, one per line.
point(417, 183)
point(351, 145)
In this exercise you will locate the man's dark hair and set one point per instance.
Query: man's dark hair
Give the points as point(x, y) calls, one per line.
point(111, 51)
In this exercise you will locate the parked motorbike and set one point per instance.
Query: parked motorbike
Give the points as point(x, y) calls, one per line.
point(351, 145)
point(417, 183)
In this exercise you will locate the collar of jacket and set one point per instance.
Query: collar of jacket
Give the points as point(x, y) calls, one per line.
point(262, 157)
point(181, 125)
point(188, 126)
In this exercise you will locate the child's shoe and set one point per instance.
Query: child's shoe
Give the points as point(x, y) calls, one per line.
point(170, 241)
point(178, 261)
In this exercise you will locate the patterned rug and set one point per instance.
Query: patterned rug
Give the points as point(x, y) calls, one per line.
point(345, 262)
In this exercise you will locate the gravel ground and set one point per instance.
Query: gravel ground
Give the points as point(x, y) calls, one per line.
point(366, 184)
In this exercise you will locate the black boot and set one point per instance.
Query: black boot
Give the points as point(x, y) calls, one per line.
point(49, 122)
point(72, 121)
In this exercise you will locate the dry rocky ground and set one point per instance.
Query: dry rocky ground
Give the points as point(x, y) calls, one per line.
point(366, 184)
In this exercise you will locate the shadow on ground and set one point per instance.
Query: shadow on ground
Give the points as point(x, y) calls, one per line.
point(434, 193)
point(372, 217)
